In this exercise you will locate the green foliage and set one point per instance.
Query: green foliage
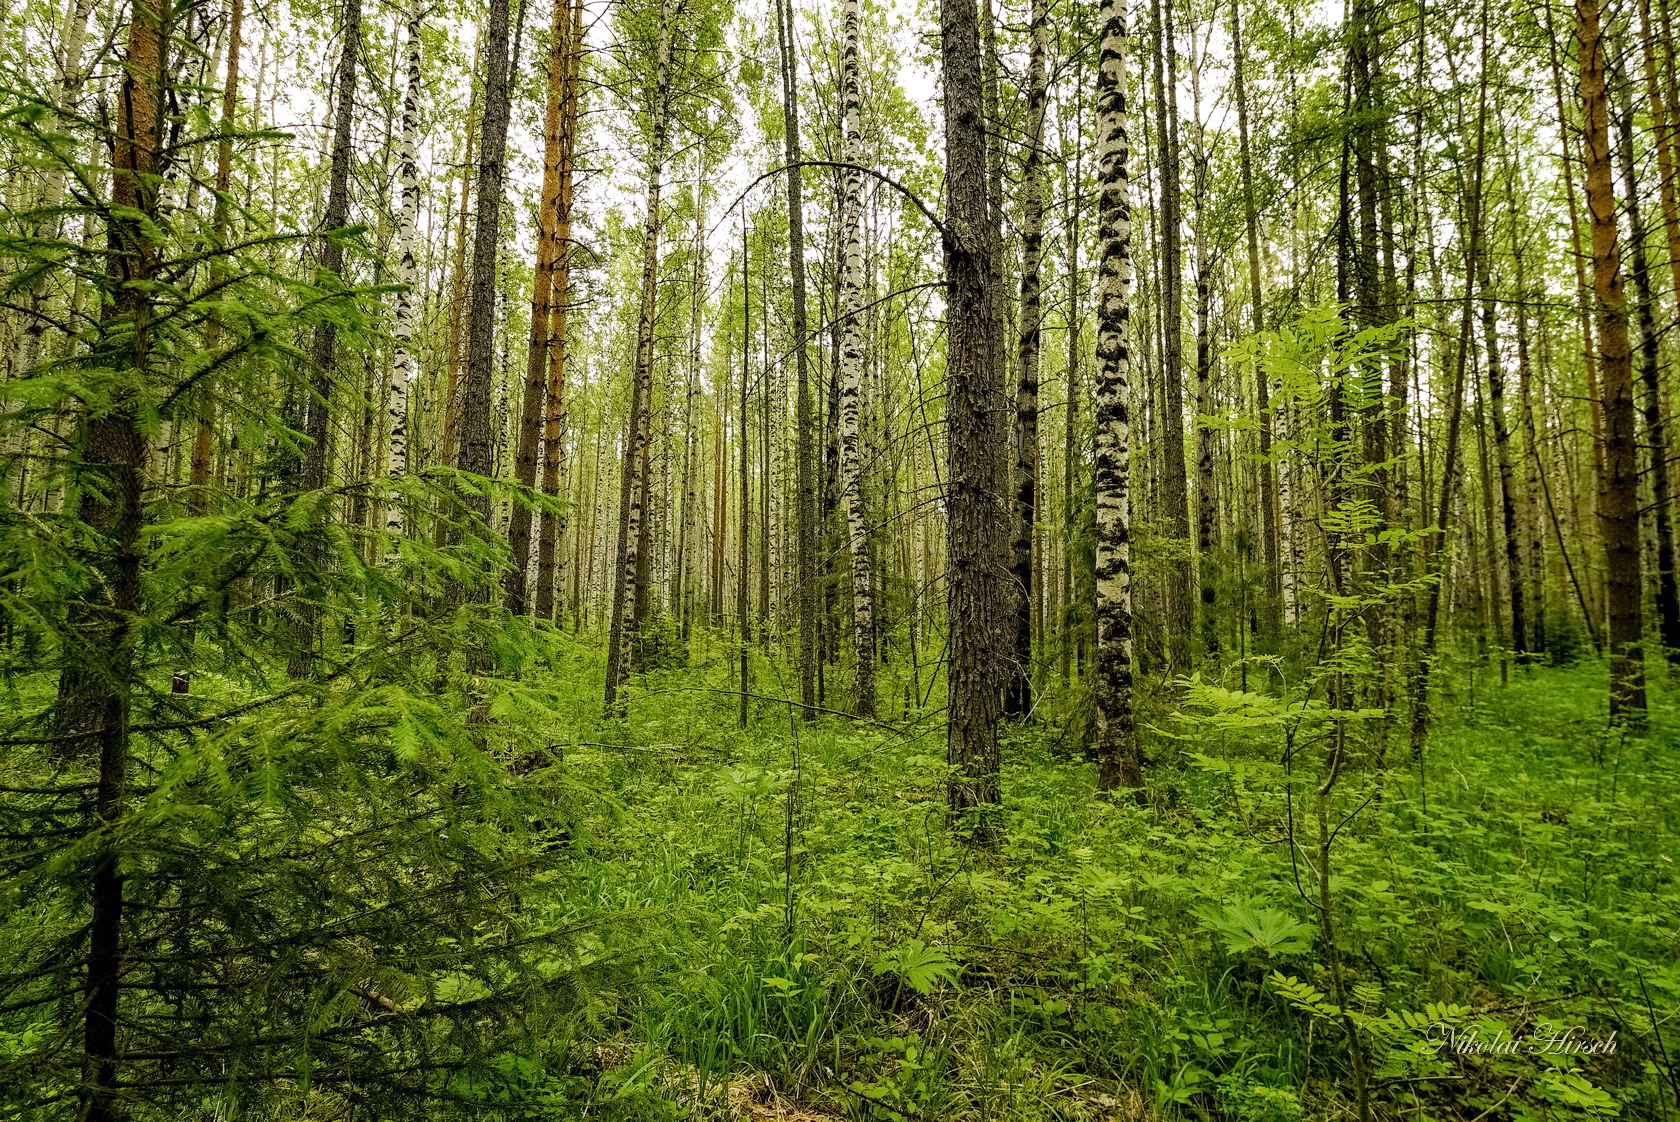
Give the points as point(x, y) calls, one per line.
point(1250, 927)
point(918, 966)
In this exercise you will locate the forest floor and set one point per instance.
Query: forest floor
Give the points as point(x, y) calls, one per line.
point(788, 929)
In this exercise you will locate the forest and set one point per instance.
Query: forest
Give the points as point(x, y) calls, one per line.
point(645, 560)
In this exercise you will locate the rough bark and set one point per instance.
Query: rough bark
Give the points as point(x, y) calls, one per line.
point(554, 436)
point(97, 693)
point(475, 450)
point(542, 342)
point(1035, 188)
point(1618, 503)
point(976, 514)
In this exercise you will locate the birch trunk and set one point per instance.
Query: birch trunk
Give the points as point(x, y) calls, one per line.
point(402, 328)
point(1118, 761)
point(851, 359)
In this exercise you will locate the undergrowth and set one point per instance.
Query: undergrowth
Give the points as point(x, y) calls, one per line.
point(806, 930)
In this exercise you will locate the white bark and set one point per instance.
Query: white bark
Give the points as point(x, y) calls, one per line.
point(402, 330)
point(1117, 753)
point(851, 357)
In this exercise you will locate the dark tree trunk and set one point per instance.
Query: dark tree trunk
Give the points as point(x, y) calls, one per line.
point(1018, 697)
point(976, 514)
point(806, 571)
point(323, 348)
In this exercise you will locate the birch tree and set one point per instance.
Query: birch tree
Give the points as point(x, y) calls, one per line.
point(1117, 750)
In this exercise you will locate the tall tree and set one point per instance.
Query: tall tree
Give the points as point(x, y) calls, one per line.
point(323, 350)
point(198, 480)
point(1175, 495)
point(976, 519)
point(851, 357)
point(475, 452)
point(804, 419)
point(1514, 547)
point(1035, 189)
point(402, 326)
point(632, 479)
point(98, 690)
point(1655, 442)
point(1618, 495)
point(543, 342)
point(1118, 761)
point(1265, 469)
point(554, 434)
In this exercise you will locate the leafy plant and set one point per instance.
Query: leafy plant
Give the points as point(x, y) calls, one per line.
point(1253, 928)
point(918, 965)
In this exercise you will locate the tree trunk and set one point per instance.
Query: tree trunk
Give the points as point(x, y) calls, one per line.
point(1269, 551)
point(198, 479)
point(474, 452)
point(1618, 497)
point(1422, 666)
point(402, 327)
point(976, 515)
point(743, 618)
point(1071, 636)
point(540, 350)
point(1514, 558)
point(806, 570)
point(1118, 760)
point(97, 692)
point(851, 359)
point(1650, 377)
point(621, 639)
point(1175, 497)
point(552, 526)
point(1035, 187)
point(323, 351)
point(450, 436)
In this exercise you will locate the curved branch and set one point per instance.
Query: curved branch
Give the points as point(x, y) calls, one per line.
point(888, 180)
